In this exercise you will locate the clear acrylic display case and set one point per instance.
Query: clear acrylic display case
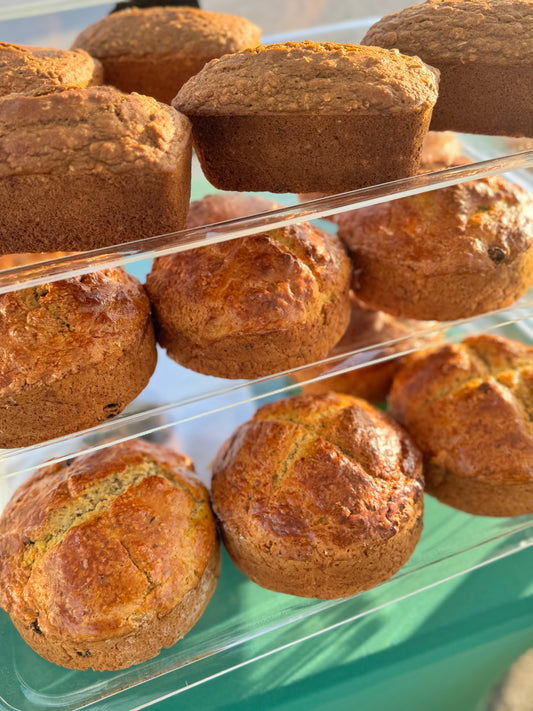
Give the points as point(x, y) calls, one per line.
point(243, 623)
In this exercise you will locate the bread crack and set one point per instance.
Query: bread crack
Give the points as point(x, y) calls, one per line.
point(292, 457)
point(313, 431)
point(93, 502)
point(151, 583)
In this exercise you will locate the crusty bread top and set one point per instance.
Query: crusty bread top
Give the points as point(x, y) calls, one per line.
point(168, 30)
point(309, 76)
point(319, 472)
point(93, 130)
point(37, 70)
point(473, 226)
point(470, 406)
point(254, 284)
point(97, 546)
point(62, 327)
point(483, 31)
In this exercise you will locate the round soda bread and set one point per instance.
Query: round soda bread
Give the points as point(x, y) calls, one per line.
point(468, 407)
point(484, 51)
point(73, 353)
point(319, 496)
point(382, 336)
point(255, 305)
point(446, 254)
point(104, 168)
point(109, 557)
point(155, 50)
point(303, 117)
point(38, 70)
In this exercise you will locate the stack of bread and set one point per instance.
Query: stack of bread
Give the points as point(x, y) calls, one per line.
point(109, 557)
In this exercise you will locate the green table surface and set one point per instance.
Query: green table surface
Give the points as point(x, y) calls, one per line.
point(442, 649)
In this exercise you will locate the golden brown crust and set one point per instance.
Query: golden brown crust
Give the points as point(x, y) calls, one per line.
point(37, 70)
point(98, 552)
point(483, 49)
point(72, 354)
point(156, 50)
point(104, 168)
point(468, 407)
point(252, 306)
point(310, 77)
point(446, 254)
point(312, 489)
point(368, 328)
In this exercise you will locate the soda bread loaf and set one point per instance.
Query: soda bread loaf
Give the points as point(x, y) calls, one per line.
point(302, 117)
point(73, 353)
point(484, 51)
point(109, 557)
point(468, 407)
point(88, 168)
point(446, 254)
point(255, 305)
point(37, 70)
point(156, 50)
point(319, 496)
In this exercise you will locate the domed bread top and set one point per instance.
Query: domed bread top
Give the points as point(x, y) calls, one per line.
point(310, 77)
point(90, 131)
point(53, 329)
point(103, 546)
point(161, 30)
point(497, 31)
point(38, 70)
point(317, 472)
point(255, 284)
point(472, 226)
point(469, 408)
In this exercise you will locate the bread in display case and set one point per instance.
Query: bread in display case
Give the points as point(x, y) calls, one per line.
point(196, 413)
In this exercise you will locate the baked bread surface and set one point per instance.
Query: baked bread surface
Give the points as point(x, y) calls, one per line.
point(172, 30)
point(310, 77)
point(450, 253)
point(497, 31)
point(304, 117)
point(72, 354)
point(37, 70)
point(104, 167)
point(255, 305)
point(468, 408)
point(156, 50)
point(484, 51)
point(318, 496)
point(109, 557)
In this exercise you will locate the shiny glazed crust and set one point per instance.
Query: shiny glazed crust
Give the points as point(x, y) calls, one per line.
point(468, 408)
point(483, 49)
point(319, 496)
point(368, 328)
point(109, 557)
point(36, 70)
point(251, 306)
point(105, 168)
point(72, 354)
point(309, 116)
point(156, 50)
point(450, 253)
